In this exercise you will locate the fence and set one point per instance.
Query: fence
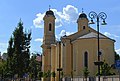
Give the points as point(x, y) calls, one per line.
point(102, 78)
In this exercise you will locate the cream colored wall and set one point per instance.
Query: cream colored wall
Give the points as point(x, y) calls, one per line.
point(82, 22)
point(53, 57)
point(47, 20)
point(68, 66)
point(90, 45)
point(49, 36)
point(46, 60)
point(108, 51)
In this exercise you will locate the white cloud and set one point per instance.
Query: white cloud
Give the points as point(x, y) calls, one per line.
point(69, 33)
point(110, 35)
point(63, 32)
point(107, 34)
point(38, 22)
point(39, 40)
point(69, 14)
point(58, 20)
point(3, 47)
point(118, 51)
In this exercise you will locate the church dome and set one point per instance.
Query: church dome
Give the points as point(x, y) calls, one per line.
point(82, 15)
point(50, 12)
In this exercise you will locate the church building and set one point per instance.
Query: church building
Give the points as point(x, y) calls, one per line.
point(69, 56)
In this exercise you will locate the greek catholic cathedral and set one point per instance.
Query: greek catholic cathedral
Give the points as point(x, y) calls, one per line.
point(69, 56)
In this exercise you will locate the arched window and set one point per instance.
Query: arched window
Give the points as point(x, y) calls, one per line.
point(50, 27)
point(86, 59)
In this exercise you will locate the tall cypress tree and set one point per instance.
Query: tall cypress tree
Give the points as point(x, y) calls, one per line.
point(10, 48)
point(20, 53)
point(9, 59)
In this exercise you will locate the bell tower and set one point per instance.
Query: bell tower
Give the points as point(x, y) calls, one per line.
point(48, 39)
point(82, 22)
point(49, 28)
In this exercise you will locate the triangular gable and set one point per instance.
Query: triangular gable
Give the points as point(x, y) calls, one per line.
point(91, 33)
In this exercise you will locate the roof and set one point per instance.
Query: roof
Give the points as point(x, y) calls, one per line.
point(50, 12)
point(92, 35)
point(86, 34)
point(82, 15)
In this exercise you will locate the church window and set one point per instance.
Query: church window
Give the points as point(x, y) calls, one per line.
point(83, 27)
point(50, 27)
point(86, 59)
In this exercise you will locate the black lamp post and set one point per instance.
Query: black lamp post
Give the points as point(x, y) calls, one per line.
point(99, 16)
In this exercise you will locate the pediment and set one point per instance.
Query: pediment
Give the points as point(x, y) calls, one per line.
point(90, 33)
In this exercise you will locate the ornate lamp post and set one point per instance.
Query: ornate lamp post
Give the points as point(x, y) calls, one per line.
point(102, 16)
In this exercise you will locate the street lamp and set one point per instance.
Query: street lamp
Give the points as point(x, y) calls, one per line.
point(102, 16)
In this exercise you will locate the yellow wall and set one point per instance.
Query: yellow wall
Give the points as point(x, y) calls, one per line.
point(90, 45)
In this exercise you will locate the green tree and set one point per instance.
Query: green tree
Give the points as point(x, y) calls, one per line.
point(106, 70)
point(40, 74)
point(2, 65)
point(18, 50)
point(35, 67)
point(47, 75)
point(32, 66)
point(10, 51)
point(117, 56)
point(86, 73)
point(10, 48)
point(53, 75)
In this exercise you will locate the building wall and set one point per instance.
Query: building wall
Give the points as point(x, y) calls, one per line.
point(90, 45)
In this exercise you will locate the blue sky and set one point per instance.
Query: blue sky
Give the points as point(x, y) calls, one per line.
point(66, 11)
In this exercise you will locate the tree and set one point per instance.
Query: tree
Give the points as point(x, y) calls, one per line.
point(10, 51)
point(47, 75)
point(86, 73)
point(53, 75)
point(117, 57)
point(40, 74)
point(10, 48)
point(106, 70)
point(2, 65)
point(35, 67)
point(18, 50)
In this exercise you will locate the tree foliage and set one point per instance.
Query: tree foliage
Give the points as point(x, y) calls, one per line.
point(106, 70)
point(86, 72)
point(35, 67)
point(117, 56)
point(18, 51)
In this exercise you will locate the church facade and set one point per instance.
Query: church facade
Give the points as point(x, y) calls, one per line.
point(73, 53)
